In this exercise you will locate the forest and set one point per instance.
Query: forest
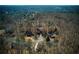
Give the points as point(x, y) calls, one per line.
point(28, 32)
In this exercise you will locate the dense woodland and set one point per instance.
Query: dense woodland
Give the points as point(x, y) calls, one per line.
point(39, 33)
